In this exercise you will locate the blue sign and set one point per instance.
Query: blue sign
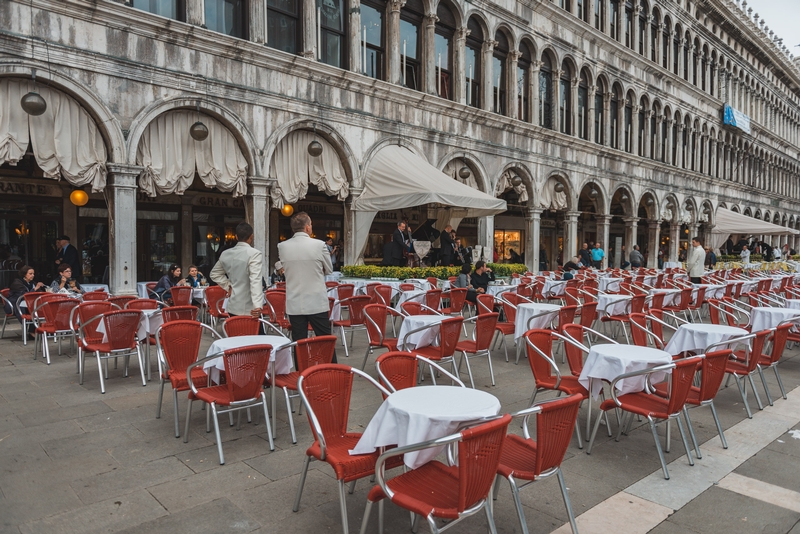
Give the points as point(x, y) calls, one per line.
point(737, 119)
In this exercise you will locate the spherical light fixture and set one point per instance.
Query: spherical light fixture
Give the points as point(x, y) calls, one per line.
point(593, 193)
point(198, 131)
point(315, 148)
point(79, 197)
point(33, 104)
point(689, 207)
point(464, 172)
point(516, 181)
point(649, 201)
point(559, 187)
point(287, 210)
point(623, 197)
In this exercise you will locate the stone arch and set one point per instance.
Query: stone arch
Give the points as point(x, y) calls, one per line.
point(653, 210)
point(707, 209)
point(455, 9)
point(670, 203)
point(562, 178)
point(527, 178)
point(528, 40)
point(480, 19)
point(506, 30)
point(628, 204)
point(475, 165)
point(601, 202)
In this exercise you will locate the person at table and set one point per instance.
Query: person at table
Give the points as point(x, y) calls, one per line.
point(169, 280)
point(20, 286)
point(597, 256)
point(637, 260)
point(570, 268)
point(240, 272)
point(513, 256)
point(695, 261)
point(306, 262)
point(463, 280)
point(745, 254)
point(481, 277)
point(196, 278)
point(64, 280)
point(278, 274)
point(67, 255)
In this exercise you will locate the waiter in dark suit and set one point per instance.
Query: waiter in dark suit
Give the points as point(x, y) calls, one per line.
point(399, 244)
point(69, 255)
point(447, 246)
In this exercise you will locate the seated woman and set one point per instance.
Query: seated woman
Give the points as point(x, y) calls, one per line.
point(462, 280)
point(570, 268)
point(64, 280)
point(20, 286)
point(196, 278)
point(172, 278)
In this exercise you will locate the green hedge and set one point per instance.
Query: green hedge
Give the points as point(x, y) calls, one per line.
point(402, 273)
point(736, 257)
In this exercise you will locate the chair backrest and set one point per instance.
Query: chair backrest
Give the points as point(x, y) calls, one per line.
point(713, 372)
point(458, 295)
point(95, 295)
point(57, 312)
point(122, 300)
point(214, 294)
point(779, 339)
point(686, 298)
point(574, 354)
point(330, 283)
point(383, 294)
point(397, 370)
point(637, 303)
point(433, 281)
point(245, 369)
point(566, 315)
point(484, 330)
point(542, 340)
point(485, 303)
point(657, 301)
point(316, 350)
point(757, 349)
point(345, 291)
point(141, 304)
point(151, 286)
point(478, 459)
point(35, 298)
point(681, 383)
point(433, 298)
point(179, 342)
point(713, 311)
point(509, 303)
point(124, 324)
point(449, 332)
point(737, 292)
point(411, 307)
point(327, 390)
point(179, 313)
point(588, 313)
point(407, 287)
point(639, 329)
point(181, 295)
point(369, 290)
point(572, 293)
point(356, 304)
point(241, 325)
point(554, 426)
point(701, 297)
point(276, 303)
point(375, 321)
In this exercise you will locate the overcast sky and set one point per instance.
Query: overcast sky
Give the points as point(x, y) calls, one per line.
point(781, 16)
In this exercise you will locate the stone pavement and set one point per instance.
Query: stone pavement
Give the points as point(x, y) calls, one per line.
point(73, 460)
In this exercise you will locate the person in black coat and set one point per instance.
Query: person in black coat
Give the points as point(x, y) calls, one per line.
point(481, 277)
point(399, 244)
point(447, 246)
point(20, 286)
point(69, 255)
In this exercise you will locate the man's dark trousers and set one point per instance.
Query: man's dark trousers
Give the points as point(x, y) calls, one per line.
point(319, 322)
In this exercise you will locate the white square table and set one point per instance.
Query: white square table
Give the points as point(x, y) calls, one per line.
point(697, 337)
point(424, 338)
point(713, 291)
point(613, 304)
point(422, 413)
point(608, 283)
point(556, 287)
point(527, 310)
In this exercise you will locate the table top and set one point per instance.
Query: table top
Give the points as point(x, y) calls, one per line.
point(699, 336)
point(422, 413)
point(763, 318)
point(527, 310)
point(606, 361)
point(281, 357)
point(421, 339)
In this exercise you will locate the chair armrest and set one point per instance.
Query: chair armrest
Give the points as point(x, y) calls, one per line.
point(271, 326)
point(642, 372)
point(441, 369)
point(420, 329)
point(548, 358)
point(532, 317)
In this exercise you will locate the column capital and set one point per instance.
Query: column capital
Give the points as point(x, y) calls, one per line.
point(533, 213)
point(631, 220)
point(489, 44)
point(258, 186)
point(124, 168)
point(652, 225)
point(514, 55)
point(431, 18)
point(462, 33)
point(396, 5)
point(603, 219)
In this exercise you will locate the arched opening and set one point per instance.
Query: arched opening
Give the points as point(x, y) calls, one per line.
point(553, 238)
point(614, 115)
point(599, 113)
point(565, 99)
point(546, 92)
point(590, 204)
point(499, 73)
point(583, 106)
point(524, 82)
point(620, 209)
point(284, 24)
point(511, 228)
point(665, 43)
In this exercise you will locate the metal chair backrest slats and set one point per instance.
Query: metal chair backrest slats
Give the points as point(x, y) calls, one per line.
point(179, 313)
point(241, 325)
point(141, 304)
point(397, 370)
point(181, 295)
point(179, 342)
point(245, 369)
point(124, 324)
point(478, 458)
point(554, 426)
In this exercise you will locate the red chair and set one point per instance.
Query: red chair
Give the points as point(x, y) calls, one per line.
point(276, 309)
point(369, 290)
point(215, 296)
point(356, 319)
point(241, 325)
point(588, 314)
point(697, 305)
point(56, 314)
point(636, 305)
point(574, 337)
point(151, 291)
point(746, 364)
point(383, 294)
point(80, 315)
point(433, 298)
point(526, 460)
point(178, 344)
point(485, 302)
point(326, 392)
point(179, 313)
point(95, 295)
point(683, 304)
point(458, 297)
point(26, 312)
point(779, 339)
point(345, 291)
point(7, 304)
point(433, 281)
point(411, 307)
point(121, 301)
point(654, 407)
point(376, 316)
point(309, 352)
point(436, 490)
point(124, 324)
point(449, 332)
point(178, 296)
point(407, 287)
point(398, 370)
point(141, 304)
point(245, 368)
point(482, 335)
point(507, 327)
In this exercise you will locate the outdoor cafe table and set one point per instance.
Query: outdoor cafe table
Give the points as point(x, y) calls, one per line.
point(607, 361)
point(608, 283)
point(671, 296)
point(765, 318)
point(280, 359)
point(149, 321)
point(613, 304)
point(527, 310)
point(554, 287)
point(498, 289)
point(424, 338)
point(95, 287)
point(416, 295)
point(793, 304)
point(713, 291)
point(422, 413)
point(141, 289)
point(697, 337)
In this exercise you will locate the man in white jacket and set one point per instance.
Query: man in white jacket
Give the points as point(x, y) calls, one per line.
point(695, 261)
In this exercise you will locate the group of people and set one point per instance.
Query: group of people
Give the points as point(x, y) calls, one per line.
point(452, 251)
point(476, 282)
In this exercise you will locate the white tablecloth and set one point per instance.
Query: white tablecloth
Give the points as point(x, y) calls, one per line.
point(420, 339)
point(613, 304)
point(149, 322)
point(608, 284)
point(607, 361)
point(95, 287)
point(793, 304)
point(141, 289)
point(556, 287)
point(499, 289)
point(423, 413)
point(672, 264)
point(199, 293)
point(526, 311)
point(421, 283)
point(333, 277)
point(281, 357)
point(416, 295)
point(697, 337)
point(650, 279)
point(764, 318)
point(672, 297)
point(713, 291)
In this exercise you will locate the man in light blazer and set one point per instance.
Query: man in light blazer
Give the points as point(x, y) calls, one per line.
point(306, 261)
point(239, 272)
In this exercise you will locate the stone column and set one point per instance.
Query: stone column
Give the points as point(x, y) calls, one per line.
point(533, 220)
point(556, 108)
point(722, 84)
point(573, 116)
point(195, 14)
point(590, 132)
point(714, 160)
point(121, 197)
point(635, 109)
point(460, 66)
point(534, 85)
point(257, 212)
point(667, 157)
point(309, 47)
point(488, 74)
point(681, 56)
point(654, 243)
point(512, 92)
point(571, 235)
point(635, 28)
point(631, 229)
point(356, 36)
point(606, 20)
point(393, 42)
point(258, 21)
point(646, 150)
point(674, 240)
point(429, 70)
point(352, 245)
point(607, 119)
point(486, 236)
point(603, 228)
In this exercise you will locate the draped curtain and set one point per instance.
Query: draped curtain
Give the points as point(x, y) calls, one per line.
point(504, 184)
point(171, 157)
point(294, 168)
point(550, 200)
point(65, 139)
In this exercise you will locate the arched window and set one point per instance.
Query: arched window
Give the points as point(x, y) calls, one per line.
point(702, 154)
point(565, 99)
point(695, 63)
point(627, 22)
point(692, 145)
point(227, 16)
point(676, 49)
point(171, 9)
point(410, 44)
point(703, 67)
point(524, 82)
point(546, 93)
point(613, 19)
point(599, 97)
point(565, 5)
point(583, 107)
point(333, 28)
point(499, 58)
point(643, 14)
point(628, 118)
point(711, 88)
point(579, 8)
point(642, 127)
point(686, 58)
point(373, 39)
point(283, 25)
point(674, 156)
point(472, 62)
point(654, 35)
point(443, 50)
point(613, 113)
point(653, 132)
point(599, 14)
point(665, 42)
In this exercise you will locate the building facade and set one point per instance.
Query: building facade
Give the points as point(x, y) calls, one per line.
point(596, 120)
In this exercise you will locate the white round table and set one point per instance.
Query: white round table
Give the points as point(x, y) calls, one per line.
point(549, 312)
point(606, 361)
point(423, 413)
point(699, 336)
point(554, 287)
point(281, 357)
point(416, 295)
point(764, 318)
point(613, 304)
point(424, 338)
point(608, 283)
point(793, 304)
point(149, 321)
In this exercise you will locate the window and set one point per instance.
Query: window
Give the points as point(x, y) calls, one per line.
point(409, 32)
point(642, 27)
point(599, 13)
point(686, 60)
point(523, 83)
point(654, 34)
point(566, 5)
point(472, 63)
point(172, 9)
point(674, 142)
point(613, 113)
point(628, 118)
point(613, 16)
point(641, 133)
point(579, 8)
point(372, 41)
point(443, 56)
point(499, 58)
point(703, 67)
point(583, 107)
point(565, 99)
point(628, 24)
point(283, 21)
point(665, 46)
point(227, 16)
point(676, 49)
point(599, 134)
point(546, 93)
point(653, 136)
point(332, 32)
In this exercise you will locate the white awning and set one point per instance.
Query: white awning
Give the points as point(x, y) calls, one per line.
point(729, 222)
point(397, 178)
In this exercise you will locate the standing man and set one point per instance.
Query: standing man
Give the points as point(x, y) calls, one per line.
point(745, 254)
point(332, 250)
point(69, 255)
point(239, 272)
point(585, 255)
point(306, 262)
point(398, 244)
point(695, 260)
point(636, 258)
point(597, 256)
point(446, 240)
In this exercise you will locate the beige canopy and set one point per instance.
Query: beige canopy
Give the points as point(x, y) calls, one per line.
point(729, 222)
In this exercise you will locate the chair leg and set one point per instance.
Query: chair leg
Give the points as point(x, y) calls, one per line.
point(487, 507)
point(160, 398)
point(24, 332)
point(175, 408)
point(505, 347)
point(344, 341)
point(188, 418)
point(100, 371)
point(269, 425)
point(141, 364)
point(658, 447)
point(719, 426)
point(594, 433)
point(691, 433)
point(578, 434)
point(366, 356)
point(780, 382)
point(365, 521)
point(764, 383)
point(343, 506)
point(302, 483)
point(743, 393)
point(465, 358)
point(81, 365)
point(683, 438)
point(491, 369)
point(567, 503)
point(216, 433)
point(289, 415)
point(755, 391)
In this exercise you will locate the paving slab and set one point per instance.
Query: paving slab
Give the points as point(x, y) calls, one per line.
point(215, 517)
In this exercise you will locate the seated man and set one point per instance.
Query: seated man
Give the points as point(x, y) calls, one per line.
point(481, 277)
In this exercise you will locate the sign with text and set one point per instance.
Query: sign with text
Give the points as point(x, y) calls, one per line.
point(737, 119)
